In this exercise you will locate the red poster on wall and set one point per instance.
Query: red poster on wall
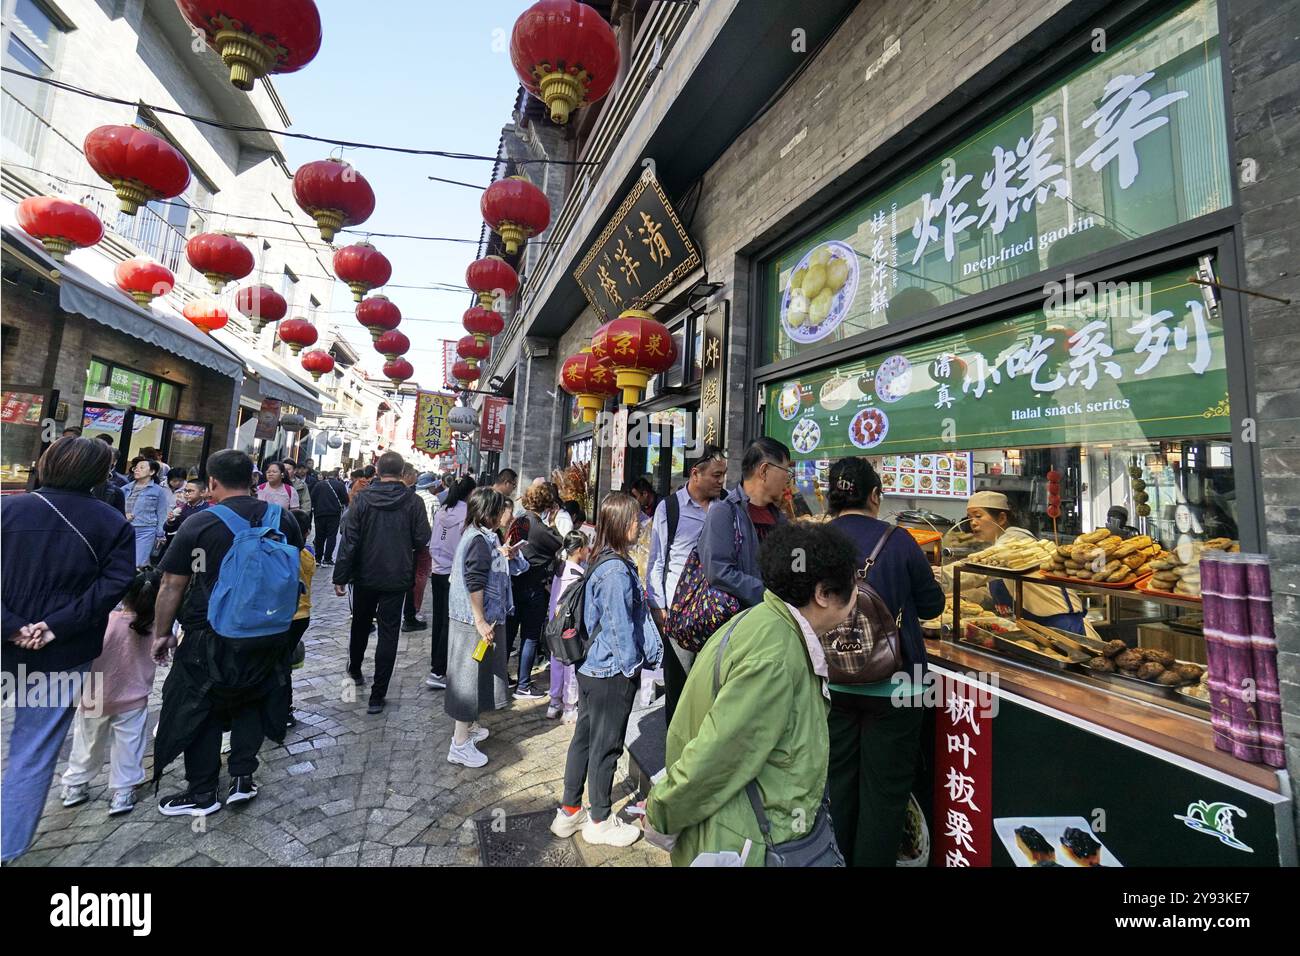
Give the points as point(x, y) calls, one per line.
point(963, 796)
point(492, 428)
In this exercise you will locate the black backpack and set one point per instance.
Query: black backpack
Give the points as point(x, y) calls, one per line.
point(566, 633)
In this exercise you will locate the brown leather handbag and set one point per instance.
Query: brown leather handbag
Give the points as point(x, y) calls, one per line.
point(865, 648)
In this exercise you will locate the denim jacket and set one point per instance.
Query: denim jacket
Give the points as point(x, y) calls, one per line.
point(498, 600)
point(628, 638)
point(148, 506)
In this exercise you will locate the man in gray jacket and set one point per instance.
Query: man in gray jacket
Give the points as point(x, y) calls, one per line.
point(748, 510)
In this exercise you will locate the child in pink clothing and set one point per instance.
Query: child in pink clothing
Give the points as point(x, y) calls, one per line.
point(564, 681)
point(115, 703)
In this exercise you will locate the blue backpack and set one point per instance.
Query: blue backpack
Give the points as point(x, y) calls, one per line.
point(256, 593)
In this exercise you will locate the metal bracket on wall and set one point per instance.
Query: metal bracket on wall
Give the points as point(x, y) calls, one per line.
point(1232, 288)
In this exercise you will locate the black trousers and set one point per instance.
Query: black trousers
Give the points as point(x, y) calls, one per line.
point(327, 532)
point(439, 590)
point(296, 631)
point(203, 755)
point(874, 751)
point(677, 664)
point(604, 706)
point(368, 606)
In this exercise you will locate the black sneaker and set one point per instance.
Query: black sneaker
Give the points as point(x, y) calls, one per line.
point(290, 722)
point(375, 707)
point(357, 678)
point(189, 805)
point(414, 625)
point(529, 693)
point(242, 789)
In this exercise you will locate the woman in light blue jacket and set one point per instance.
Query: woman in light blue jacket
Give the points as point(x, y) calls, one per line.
point(147, 504)
point(623, 640)
point(479, 600)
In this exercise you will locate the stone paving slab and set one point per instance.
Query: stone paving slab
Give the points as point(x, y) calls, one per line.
point(345, 788)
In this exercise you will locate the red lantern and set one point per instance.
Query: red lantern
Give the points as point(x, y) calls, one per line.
point(220, 257)
point(378, 314)
point(297, 334)
point(565, 54)
point(318, 362)
point(398, 371)
point(472, 350)
point(464, 372)
point(141, 165)
point(490, 276)
point(59, 224)
point(638, 347)
point(254, 37)
point(143, 279)
point(392, 344)
point(515, 209)
point(590, 380)
point(261, 304)
point(483, 324)
point(334, 194)
point(206, 315)
point(362, 267)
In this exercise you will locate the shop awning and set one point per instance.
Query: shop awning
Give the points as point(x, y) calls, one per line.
point(273, 381)
point(83, 294)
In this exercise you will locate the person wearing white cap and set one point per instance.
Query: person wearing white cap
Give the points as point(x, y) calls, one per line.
point(992, 519)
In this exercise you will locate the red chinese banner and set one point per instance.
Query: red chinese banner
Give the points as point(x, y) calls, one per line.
point(963, 783)
point(492, 428)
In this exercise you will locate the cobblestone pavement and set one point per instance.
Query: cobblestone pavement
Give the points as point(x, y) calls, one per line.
point(346, 788)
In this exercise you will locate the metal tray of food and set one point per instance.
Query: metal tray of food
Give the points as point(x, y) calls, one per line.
point(1155, 687)
point(1184, 693)
point(1006, 644)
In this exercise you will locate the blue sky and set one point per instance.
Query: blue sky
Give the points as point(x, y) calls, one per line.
point(431, 75)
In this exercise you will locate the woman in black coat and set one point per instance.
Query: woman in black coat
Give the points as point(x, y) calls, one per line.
point(69, 558)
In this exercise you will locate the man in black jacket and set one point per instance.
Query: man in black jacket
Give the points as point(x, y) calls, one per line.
point(384, 528)
point(328, 499)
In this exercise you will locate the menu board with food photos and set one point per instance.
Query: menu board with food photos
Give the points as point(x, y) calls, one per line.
point(927, 476)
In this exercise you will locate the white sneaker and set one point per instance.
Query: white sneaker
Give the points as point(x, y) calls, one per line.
point(466, 754)
point(436, 681)
point(570, 717)
point(565, 826)
point(75, 794)
point(478, 734)
point(123, 801)
point(610, 832)
point(552, 712)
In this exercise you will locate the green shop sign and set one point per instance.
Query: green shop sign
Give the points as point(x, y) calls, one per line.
point(1133, 143)
point(1128, 360)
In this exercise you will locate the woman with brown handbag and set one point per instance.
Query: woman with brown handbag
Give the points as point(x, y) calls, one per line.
point(874, 741)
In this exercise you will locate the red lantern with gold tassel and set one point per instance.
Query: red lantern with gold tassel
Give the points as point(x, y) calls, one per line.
point(483, 324)
point(297, 334)
point(590, 380)
point(220, 257)
point(334, 194)
point(565, 54)
point(142, 166)
point(489, 277)
point(378, 314)
point(398, 371)
point(255, 37)
point(638, 346)
point(318, 362)
point(143, 279)
point(206, 315)
point(472, 351)
point(392, 344)
point(362, 267)
point(515, 210)
point(261, 305)
point(60, 225)
point(462, 371)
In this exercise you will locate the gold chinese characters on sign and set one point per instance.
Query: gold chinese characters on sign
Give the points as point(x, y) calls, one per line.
point(713, 374)
point(431, 432)
point(642, 252)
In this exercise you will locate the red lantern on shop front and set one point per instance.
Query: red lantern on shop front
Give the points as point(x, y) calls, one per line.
point(334, 194)
point(261, 305)
point(142, 166)
point(565, 54)
point(590, 380)
point(392, 344)
point(220, 257)
point(515, 210)
point(143, 279)
point(462, 371)
point(362, 267)
point(638, 346)
point(483, 324)
point(378, 314)
point(398, 371)
point(489, 277)
point(297, 334)
point(318, 362)
point(205, 315)
point(472, 350)
point(254, 37)
point(60, 225)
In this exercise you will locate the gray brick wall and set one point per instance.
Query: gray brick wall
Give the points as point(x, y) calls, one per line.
point(1264, 49)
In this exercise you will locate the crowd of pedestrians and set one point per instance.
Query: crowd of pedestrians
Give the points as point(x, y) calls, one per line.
point(700, 587)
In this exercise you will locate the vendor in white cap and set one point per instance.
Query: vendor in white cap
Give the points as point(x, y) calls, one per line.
point(992, 519)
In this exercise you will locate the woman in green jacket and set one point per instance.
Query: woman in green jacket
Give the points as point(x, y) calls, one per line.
point(768, 721)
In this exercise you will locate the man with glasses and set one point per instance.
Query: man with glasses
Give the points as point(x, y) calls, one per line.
point(732, 533)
